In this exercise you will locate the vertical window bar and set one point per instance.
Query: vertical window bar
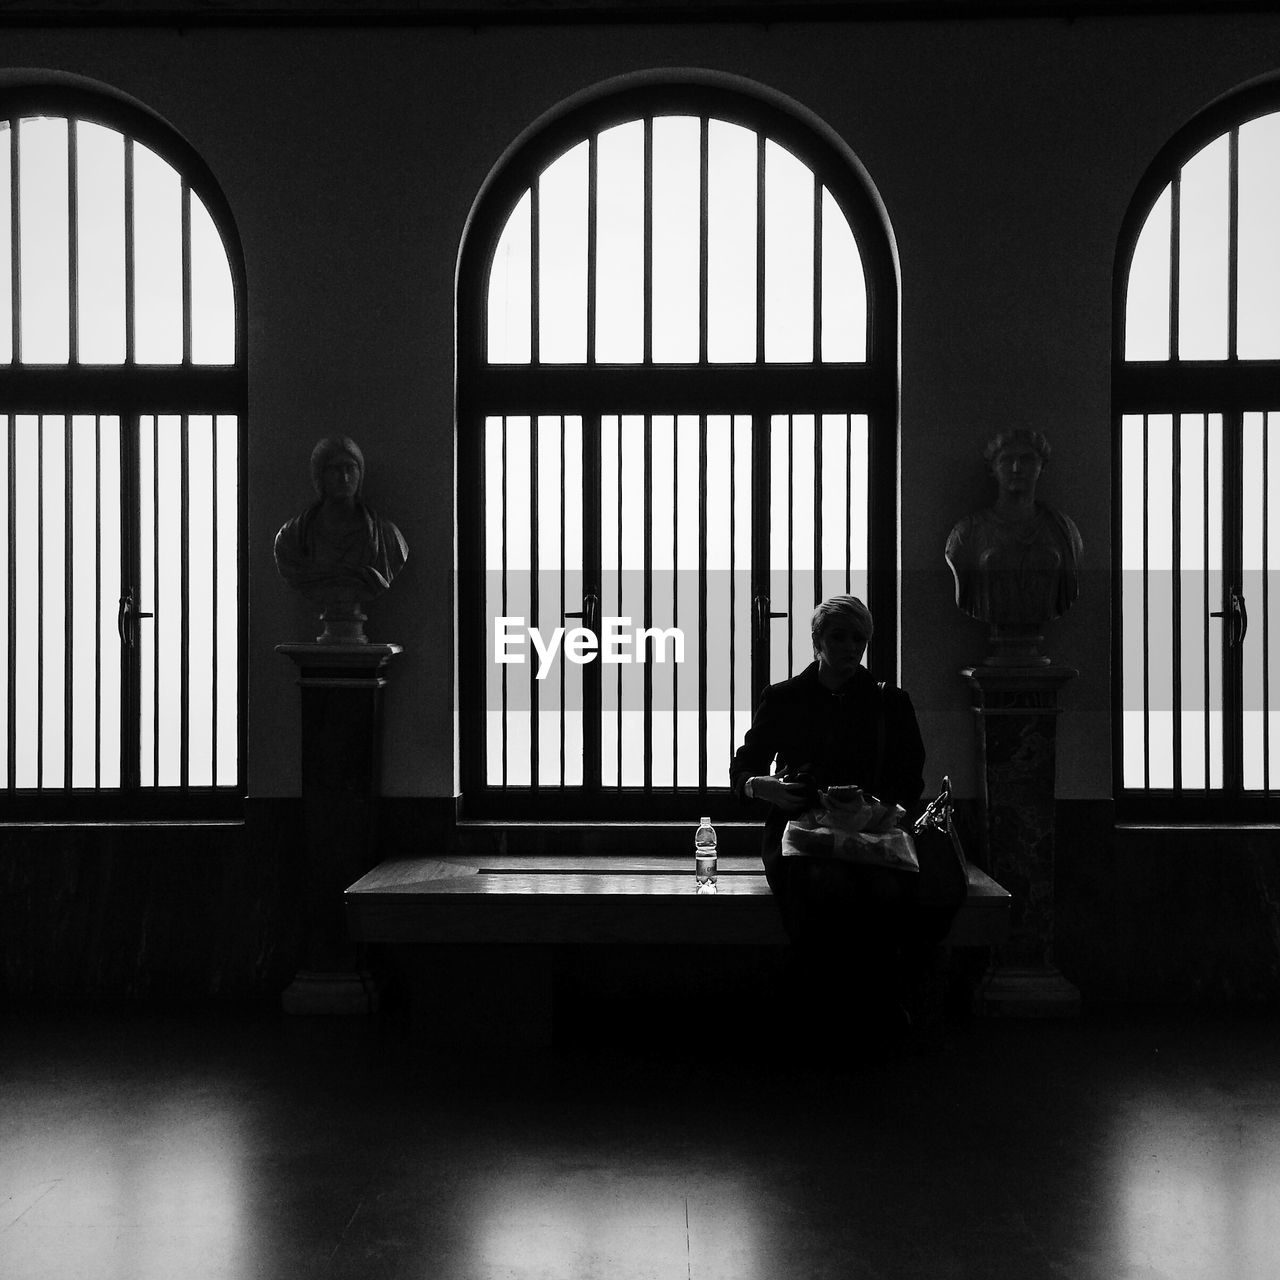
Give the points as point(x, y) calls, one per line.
point(675, 596)
point(157, 606)
point(1233, 242)
point(531, 668)
point(647, 238)
point(97, 600)
point(40, 649)
point(213, 602)
point(1175, 253)
point(130, 290)
point(1175, 620)
point(535, 291)
point(184, 572)
point(1266, 602)
point(702, 601)
point(1146, 600)
point(593, 193)
point(564, 564)
point(185, 199)
point(506, 510)
point(848, 501)
point(1208, 666)
point(704, 223)
point(68, 596)
point(647, 543)
point(73, 253)
point(15, 265)
point(760, 248)
point(817, 511)
point(791, 545)
point(817, 272)
point(733, 580)
point(619, 721)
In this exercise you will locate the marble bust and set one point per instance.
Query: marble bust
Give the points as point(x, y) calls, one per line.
point(1016, 563)
point(339, 553)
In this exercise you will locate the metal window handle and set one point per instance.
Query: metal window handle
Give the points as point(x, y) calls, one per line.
point(127, 618)
point(1237, 615)
point(590, 613)
point(763, 613)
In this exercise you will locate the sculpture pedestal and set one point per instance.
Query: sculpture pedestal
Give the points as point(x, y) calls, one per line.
point(341, 764)
point(1017, 710)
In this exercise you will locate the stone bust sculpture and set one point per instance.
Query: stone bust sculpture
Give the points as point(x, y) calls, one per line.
point(1016, 564)
point(339, 553)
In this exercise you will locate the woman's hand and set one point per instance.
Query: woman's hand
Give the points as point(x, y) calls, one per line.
point(790, 797)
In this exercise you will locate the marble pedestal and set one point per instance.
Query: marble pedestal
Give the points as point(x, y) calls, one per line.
point(1017, 710)
point(341, 688)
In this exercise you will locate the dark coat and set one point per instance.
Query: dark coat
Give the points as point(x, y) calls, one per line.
point(804, 727)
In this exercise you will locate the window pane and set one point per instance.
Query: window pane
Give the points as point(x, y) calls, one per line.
point(109, 587)
point(86, 605)
point(25, 601)
point(1147, 303)
point(1258, 508)
point(731, 242)
point(45, 269)
point(677, 187)
point(1202, 259)
point(844, 287)
point(6, 246)
point(200, 600)
point(562, 259)
point(227, 600)
point(213, 304)
point(788, 269)
point(620, 244)
point(511, 289)
point(157, 261)
point(100, 244)
point(1258, 296)
point(53, 612)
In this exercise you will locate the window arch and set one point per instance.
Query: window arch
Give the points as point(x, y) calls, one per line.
point(677, 413)
point(1196, 391)
point(122, 402)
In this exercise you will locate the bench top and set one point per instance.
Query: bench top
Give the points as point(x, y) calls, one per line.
point(468, 899)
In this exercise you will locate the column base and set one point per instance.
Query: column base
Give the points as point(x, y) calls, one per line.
point(1010, 992)
point(330, 994)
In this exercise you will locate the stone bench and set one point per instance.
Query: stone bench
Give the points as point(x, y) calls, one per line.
point(477, 934)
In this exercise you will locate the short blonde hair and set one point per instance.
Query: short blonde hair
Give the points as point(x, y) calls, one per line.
point(848, 609)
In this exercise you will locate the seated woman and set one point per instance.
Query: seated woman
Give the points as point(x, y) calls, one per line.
point(852, 927)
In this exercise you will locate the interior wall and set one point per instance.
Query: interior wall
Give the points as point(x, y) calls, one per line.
point(1005, 153)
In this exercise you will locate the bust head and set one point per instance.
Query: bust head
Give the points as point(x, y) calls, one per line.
point(1017, 457)
point(337, 468)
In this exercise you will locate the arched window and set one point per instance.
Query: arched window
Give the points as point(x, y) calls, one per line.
point(1197, 418)
point(122, 397)
point(677, 431)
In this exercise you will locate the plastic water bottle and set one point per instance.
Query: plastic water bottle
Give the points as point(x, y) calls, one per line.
point(704, 852)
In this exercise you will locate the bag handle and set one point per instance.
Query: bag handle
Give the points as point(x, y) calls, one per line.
point(877, 773)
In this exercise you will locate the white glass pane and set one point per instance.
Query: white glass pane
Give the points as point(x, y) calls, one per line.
point(779, 547)
point(157, 259)
point(1193, 629)
point(677, 189)
point(494, 607)
point(562, 259)
point(610, 589)
point(1270, 636)
point(101, 236)
point(836, 512)
point(85, 622)
point(731, 242)
point(6, 250)
point(26, 599)
point(574, 674)
point(788, 267)
point(1202, 259)
point(145, 600)
point(511, 287)
point(167, 602)
point(1214, 435)
point(109, 588)
point(213, 303)
point(1159, 595)
point(8, 597)
point(551, 604)
point(1133, 659)
point(630, 528)
point(44, 269)
point(666, 590)
point(804, 584)
point(742, 622)
point(719, 599)
point(687, 615)
point(1147, 302)
point(53, 652)
point(200, 600)
point(1258, 288)
point(226, 600)
point(844, 287)
point(519, 598)
point(620, 244)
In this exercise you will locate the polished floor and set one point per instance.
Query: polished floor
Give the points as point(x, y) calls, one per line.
point(187, 1146)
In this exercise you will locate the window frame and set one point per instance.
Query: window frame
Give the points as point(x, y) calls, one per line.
point(1176, 386)
point(758, 388)
point(132, 391)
